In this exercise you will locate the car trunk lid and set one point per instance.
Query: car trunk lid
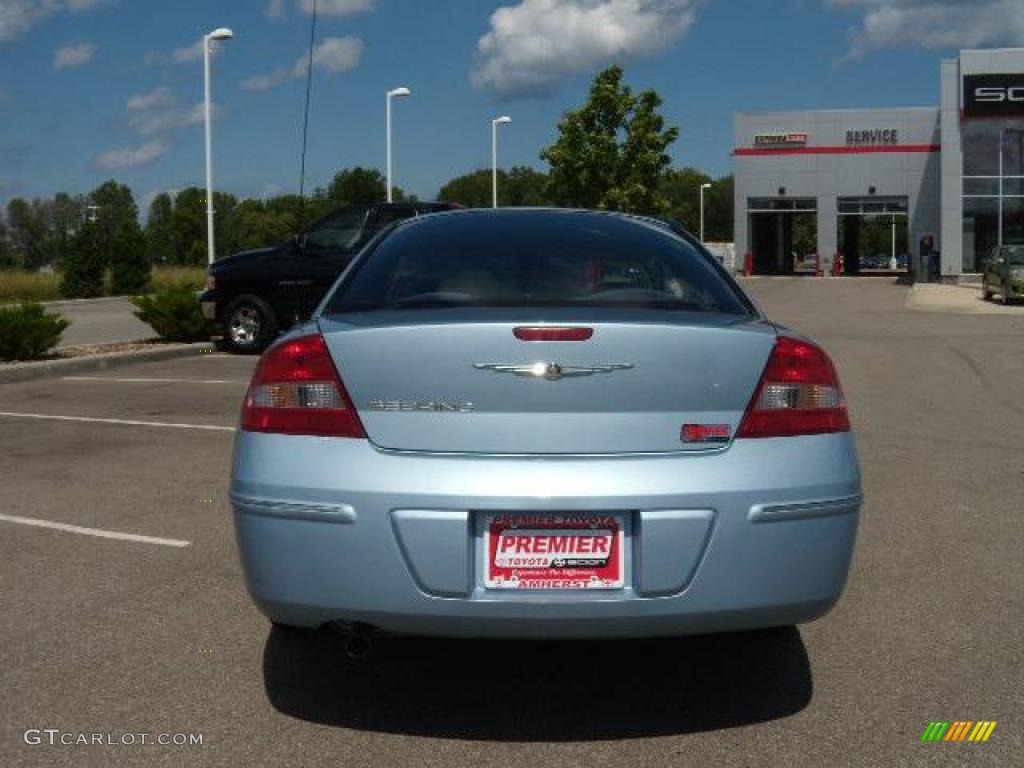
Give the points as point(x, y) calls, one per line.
point(461, 381)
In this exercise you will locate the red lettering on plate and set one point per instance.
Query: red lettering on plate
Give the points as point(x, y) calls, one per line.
point(600, 544)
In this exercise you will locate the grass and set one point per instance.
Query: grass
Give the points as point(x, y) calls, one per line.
point(19, 285)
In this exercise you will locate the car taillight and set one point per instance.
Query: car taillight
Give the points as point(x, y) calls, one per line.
point(296, 390)
point(799, 394)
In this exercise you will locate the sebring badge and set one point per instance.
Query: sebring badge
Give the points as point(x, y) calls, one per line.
point(552, 371)
point(436, 406)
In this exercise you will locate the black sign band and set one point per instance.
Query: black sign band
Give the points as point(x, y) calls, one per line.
point(993, 95)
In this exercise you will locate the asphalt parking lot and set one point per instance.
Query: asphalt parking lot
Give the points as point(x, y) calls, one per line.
point(120, 635)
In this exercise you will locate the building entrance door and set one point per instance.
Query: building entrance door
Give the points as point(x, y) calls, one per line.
point(783, 235)
point(872, 234)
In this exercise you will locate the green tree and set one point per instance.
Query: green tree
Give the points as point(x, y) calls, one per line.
point(160, 229)
point(610, 153)
point(519, 186)
point(189, 225)
point(7, 260)
point(680, 188)
point(85, 263)
point(28, 233)
point(472, 190)
point(524, 186)
point(718, 211)
point(360, 186)
point(120, 236)
point(130, 265)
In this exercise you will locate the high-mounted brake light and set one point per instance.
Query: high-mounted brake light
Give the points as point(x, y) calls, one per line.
point(551, 333)
point(799, 394)
point(296, 390)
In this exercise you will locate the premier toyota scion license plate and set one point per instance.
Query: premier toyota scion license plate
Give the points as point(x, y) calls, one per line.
point(553, 551)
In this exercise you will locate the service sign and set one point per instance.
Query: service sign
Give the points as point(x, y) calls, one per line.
point(553, 551)
point(993, 95)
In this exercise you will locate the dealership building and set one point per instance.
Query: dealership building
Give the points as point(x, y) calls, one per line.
point(946, 181)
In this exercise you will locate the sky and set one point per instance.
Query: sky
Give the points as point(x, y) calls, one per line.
point(98, 89)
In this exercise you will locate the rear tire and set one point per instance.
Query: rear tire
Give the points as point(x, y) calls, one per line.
point(986, 294)
point(249, 325)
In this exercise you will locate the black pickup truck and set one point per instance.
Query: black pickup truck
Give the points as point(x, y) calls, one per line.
point(252, 295)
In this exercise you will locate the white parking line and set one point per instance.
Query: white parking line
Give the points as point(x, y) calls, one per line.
point(98, 532)
point(152, 381)
point(125, 422)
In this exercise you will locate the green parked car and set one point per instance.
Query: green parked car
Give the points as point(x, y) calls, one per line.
point(1004, 273)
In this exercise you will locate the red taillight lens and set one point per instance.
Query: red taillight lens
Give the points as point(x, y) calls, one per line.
point(551, 333)
point(296, 390)
point(799, 394)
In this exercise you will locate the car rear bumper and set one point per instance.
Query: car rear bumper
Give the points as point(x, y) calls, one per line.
point(330, 530)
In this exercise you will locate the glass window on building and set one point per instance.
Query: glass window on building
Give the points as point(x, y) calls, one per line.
point(993, 187)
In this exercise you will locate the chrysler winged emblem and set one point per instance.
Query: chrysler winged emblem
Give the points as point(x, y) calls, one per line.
point(551, 371)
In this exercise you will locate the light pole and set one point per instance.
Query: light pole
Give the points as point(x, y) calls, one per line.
point(402, 91)
point(494, 156)
point(706, 185)
point(221, 33)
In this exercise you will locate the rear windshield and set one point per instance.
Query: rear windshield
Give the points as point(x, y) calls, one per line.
point(535, 259)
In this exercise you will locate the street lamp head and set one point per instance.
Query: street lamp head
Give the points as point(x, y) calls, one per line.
point(502, 120)
point(402, 91)
point(221, 33)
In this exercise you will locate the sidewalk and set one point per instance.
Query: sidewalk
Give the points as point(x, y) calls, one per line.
point(936, 297)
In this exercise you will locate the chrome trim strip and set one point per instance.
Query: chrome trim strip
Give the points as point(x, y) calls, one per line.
point(802, 510)
point(344, 514)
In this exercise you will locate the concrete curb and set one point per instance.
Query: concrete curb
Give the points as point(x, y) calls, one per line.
point(37, 370)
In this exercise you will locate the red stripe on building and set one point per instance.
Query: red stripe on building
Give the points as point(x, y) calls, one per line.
point(865, 150)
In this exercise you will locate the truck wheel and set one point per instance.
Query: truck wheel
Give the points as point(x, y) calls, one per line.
point(249, 325)
point(986, 294)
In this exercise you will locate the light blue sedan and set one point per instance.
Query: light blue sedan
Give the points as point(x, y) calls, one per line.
point(543, 423)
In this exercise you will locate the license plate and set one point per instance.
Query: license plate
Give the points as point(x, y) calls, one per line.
point(553, 551)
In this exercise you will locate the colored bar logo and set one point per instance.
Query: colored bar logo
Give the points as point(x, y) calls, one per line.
point(959, 730)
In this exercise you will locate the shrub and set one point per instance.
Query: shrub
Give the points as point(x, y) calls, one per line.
point(27, 332)
point(174, 313)
point(84, 265)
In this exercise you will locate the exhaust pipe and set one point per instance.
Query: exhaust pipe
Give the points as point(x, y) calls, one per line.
point(358, 647)
point(358, 639)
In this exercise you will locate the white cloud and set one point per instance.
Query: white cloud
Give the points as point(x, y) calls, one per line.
point(152, 123)
point(336, 7)
point(158, 97)
point(76, 55)
point(157, 112)
point(188, 53)
point(129, 157)
point(333, 55)
point(533, 45)
point(260, 83)
point(275, 10)
point(18, 16)
point(932, 23)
